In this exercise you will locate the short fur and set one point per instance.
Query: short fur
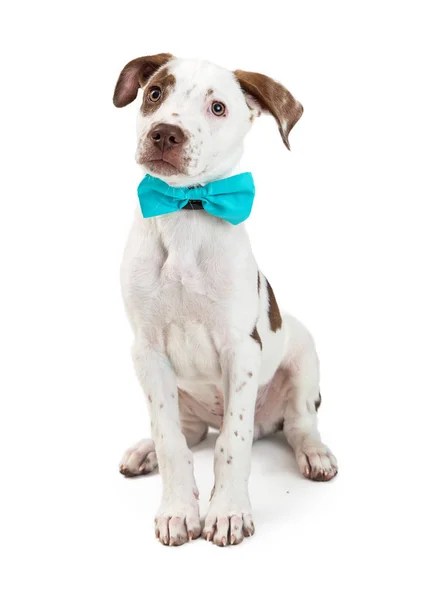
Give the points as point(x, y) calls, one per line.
point(211, 345)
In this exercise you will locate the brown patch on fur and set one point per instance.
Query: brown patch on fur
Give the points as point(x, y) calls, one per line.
point(236, 433)
point(209, 93)
point(175, 115)
point(318, 402)
point(274, 98)
point(241, 417)
point(135, 75)
point(150, 398)
point(240, 386)
point(258, 282)
point(275, 318)
point(166, 82)
point(255, 335)
point(250, 374)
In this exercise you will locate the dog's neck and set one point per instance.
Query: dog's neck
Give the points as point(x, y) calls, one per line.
point(184, 233)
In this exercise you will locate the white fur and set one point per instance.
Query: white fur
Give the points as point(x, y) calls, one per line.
point(189, 283)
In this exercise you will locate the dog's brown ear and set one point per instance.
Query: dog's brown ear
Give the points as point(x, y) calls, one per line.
point(135, 75)
point(271, 96)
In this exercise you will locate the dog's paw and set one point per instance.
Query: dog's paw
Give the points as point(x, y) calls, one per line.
point(225, 526)
point(178, 524)
point(140, 459)
point(316, 461)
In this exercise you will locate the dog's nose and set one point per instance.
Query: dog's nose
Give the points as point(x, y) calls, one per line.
point(166, 136)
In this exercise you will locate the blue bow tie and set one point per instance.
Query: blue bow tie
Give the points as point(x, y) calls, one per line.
point(230, 199)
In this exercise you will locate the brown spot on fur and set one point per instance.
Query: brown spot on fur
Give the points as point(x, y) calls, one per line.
point(221, 449)
point(231, 414)
point(250, 374)
point(161, 405)
point(318, 402)
point(275, 318)
point(255, 335)
point(258, 282)
point(136, 74)
point(209, 93)
point(242, 439)
point(274, 98)
point(150, 398)
point(236, 433)
point(175, 115)
point(166, 82)
point(240, 386)
point(241, 417)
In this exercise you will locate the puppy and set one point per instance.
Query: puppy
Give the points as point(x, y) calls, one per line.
point(212, 348)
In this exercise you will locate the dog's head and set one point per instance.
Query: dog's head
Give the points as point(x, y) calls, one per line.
point(194, 115)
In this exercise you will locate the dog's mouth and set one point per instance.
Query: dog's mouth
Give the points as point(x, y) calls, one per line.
point(160, 166)
point(165, 163)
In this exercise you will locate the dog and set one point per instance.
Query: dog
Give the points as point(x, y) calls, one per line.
point(212, 348)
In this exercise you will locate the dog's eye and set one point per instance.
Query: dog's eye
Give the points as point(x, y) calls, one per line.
point(218, 109)
point(154, 94)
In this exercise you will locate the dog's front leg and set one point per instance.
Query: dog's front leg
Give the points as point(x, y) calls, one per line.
point(229, 516)
point(177, 520)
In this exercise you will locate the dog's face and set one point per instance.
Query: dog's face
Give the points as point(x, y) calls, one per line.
point(194, 115)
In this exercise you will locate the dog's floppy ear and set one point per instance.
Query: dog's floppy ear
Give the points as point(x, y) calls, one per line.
point(272, 97)
point(135, 75)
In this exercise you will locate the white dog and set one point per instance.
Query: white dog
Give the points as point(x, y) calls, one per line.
point(211, 347)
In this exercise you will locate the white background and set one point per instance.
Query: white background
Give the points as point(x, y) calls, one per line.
point(339, 227)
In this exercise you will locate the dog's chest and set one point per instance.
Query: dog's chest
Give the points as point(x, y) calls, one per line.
point(188, 301)
point(175, 290)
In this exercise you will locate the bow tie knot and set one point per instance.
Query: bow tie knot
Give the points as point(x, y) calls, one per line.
point(230, 199)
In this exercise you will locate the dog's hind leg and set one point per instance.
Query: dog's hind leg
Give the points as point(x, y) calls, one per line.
point(140, 459)
point(314, 458)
